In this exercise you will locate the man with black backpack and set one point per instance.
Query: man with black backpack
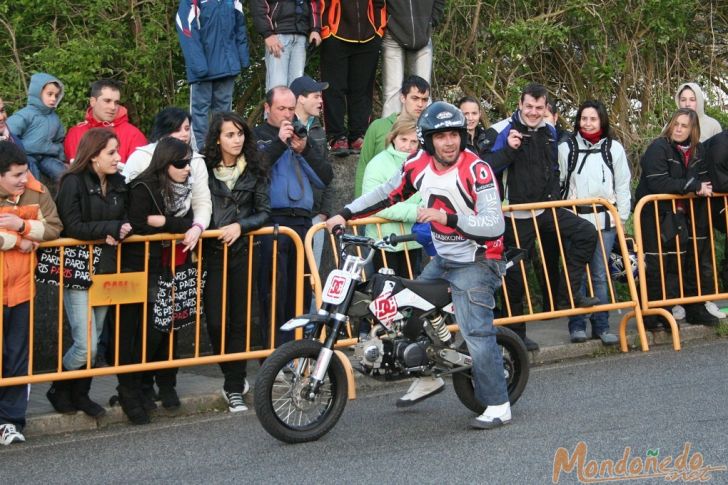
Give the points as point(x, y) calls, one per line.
point(531, 174)
point(593, 164)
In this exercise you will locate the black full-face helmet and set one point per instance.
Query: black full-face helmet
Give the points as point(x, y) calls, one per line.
point(441, 116)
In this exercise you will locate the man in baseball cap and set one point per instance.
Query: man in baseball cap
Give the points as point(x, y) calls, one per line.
point(309, 103)
point(304, 84)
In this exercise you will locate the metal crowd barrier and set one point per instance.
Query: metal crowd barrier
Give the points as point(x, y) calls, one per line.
point(688, 259)
point(531, 312)
point(121, 288)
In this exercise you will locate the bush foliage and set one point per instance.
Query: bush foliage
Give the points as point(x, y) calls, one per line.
point(632, 54)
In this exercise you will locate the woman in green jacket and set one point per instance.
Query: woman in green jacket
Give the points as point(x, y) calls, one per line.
point(401, 143)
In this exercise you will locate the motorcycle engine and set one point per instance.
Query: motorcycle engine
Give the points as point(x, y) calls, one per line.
point(391, 357)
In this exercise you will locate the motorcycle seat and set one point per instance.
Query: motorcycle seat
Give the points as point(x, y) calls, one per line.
point(436, 292)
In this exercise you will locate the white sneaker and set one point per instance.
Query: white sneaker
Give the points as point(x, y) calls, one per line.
point(678, 312)
point(246, 388)
point(235, 401)
point(420, 390)
point(493, 417)
point(714, 310)
point(9, 435)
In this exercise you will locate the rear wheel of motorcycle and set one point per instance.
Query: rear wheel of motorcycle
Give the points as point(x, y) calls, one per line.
point(515, 366)
point(281, 388)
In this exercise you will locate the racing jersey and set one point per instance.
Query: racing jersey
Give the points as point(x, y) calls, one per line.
point(466, 192)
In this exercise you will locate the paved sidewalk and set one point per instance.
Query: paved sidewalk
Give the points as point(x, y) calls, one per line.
point(199, 388)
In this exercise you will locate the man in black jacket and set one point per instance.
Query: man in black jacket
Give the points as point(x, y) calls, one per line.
point(287, 26)
point(407, 46)
point(296, 166)
point(531, 174)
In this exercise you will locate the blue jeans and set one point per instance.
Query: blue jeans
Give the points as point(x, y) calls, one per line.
point(49, 166)
point(599, 275)
point(281, 71)
point(473, 285)
point(14, 399)
point(318, 249)
point(206, 98)
point(76, 304)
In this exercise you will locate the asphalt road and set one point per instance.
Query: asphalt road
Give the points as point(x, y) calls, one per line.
point(653, 403)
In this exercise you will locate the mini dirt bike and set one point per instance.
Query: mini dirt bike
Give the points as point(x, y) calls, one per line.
point(301, 388)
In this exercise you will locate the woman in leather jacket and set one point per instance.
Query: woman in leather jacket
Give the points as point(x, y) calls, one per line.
point(240, 204)
point(91, 203)
point(673, 164)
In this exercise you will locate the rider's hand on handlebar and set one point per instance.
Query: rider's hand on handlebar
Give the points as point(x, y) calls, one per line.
point(332, 222)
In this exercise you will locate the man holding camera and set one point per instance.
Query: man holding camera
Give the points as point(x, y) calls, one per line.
point(296, 166)
point(530, 174)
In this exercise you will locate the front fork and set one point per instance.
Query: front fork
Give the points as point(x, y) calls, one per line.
point(325, 355)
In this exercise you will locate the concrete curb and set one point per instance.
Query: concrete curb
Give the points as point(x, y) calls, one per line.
point(594, 348)
point(53, 423)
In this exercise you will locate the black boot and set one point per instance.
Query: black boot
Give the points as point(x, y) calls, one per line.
point(581, 300)
point(169, 397)
point(80, 399)
point(696, 314)
point(148, 398)
point(131, 404)
point(59, 396)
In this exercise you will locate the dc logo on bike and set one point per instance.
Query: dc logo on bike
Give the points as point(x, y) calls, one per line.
point(385, 309)
point(337, 286)
point(385, 305)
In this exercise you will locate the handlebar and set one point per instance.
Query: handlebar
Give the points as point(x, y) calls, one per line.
point(394, 239)
point(344, 240)
point(512, 256)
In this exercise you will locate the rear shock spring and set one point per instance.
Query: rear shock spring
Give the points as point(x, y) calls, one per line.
point(440, 328)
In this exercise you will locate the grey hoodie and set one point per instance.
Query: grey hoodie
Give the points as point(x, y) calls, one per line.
point(708, 126)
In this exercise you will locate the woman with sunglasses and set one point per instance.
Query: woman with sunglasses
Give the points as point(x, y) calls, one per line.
point(160, 201)
point(240, 204)
point(173, 122)
point(91, 202)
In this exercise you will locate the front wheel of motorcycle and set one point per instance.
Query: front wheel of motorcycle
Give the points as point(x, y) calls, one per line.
point(283, 401)
point(515, 369)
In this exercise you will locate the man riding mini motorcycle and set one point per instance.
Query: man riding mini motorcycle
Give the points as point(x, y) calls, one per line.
point(463, 207)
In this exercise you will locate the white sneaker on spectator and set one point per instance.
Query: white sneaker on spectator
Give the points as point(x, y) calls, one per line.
point(235, 401)
point(714, 310)
point(9, 435)
point(678, 312)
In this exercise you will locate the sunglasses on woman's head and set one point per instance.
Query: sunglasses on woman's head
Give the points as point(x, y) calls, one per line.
point(180, 164)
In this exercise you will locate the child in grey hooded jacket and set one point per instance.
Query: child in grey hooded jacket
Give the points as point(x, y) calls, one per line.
point(39, 128)
point(689, 95)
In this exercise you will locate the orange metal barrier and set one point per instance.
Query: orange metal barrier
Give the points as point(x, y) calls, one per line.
point(120, 288)
point(531, 314)
point(690, 261)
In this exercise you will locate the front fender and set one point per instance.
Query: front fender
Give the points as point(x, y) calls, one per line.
point(302, 321)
